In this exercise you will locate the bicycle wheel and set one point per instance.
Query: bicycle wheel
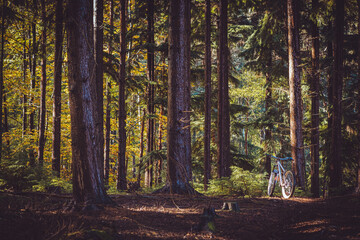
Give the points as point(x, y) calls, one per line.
point(288, 188)
point(271, 185)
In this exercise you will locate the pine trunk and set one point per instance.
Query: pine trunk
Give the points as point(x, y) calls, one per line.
point(268, 103)
point(108, 104)
point(2, 72)
point(314, 93)
point(121, 178)
point(88, 184)
point(223, 95)
point(24, 99)
point(57, 88)
point(42, 87)
point(337, 82)
point(151, 92)
point(296, 135)
point(179, 137)
point(142, 127)
point(358, 60)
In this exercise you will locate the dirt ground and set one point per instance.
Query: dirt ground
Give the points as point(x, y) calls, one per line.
point(42, 216)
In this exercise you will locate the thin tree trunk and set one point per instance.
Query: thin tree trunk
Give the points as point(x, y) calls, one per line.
point(33, 84)
point(98, 55)
point(87, 170)
point(142, 127)
point(160, 161)
point(121, 179)
point(207, 124)
point(42, 87)
point(108, 103)
point(57, 88)
point(24, 100)
point(335, 147)
point(268, 103)
point(150, 97)
point(296, 136)
point(223, 96)
point(2, 72)
point(314, 91)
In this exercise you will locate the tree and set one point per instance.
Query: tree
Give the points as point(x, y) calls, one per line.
point(151, 92)
point(87, 178)
point(268, 101)
point(121, 179)
point(207, 60)
point(296, 136)
point(2, 70)
point(223, 95)
point(108, 102)
point(314, 93)
point(335, 167)
point(179, 138)
point(358, 62)
point(57, 87)
point(42, 86)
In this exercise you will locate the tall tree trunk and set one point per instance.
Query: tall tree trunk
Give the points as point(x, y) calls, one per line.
point(33, 83)
point(42, 87)
point(179, 137)
point(358, 108)
point(108, 103)
point(207, 124)
point(86, 138)
point(57, 88)
point(151, 92)
point(337, 82)
point(296, 135)
point(223, 96)
point(314, 91)
point(160, 160)
point(24, 98)
point(142, 127)
point(121, 178)
point(268, 103)
point(2, 71)
point(98, 55)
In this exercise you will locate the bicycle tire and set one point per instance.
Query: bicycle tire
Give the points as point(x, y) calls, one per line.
point(288, 189)
point(271, 184)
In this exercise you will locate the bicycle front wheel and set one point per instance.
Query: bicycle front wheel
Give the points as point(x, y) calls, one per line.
point(271, 185)
point(289, 186)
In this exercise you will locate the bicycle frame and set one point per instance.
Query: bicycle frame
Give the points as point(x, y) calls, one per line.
point(281, 169)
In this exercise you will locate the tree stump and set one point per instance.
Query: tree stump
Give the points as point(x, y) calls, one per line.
point(231, 206)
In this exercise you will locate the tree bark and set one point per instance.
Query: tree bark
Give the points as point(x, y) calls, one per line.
point(358, 60)
point(98, 55)
point(33, 83)
point(268, 103)
point(2, 72)
point(142, 127)
point(88, 184)
point(151, 92)
point(179, 137)
point(42, 87)
point(207, 124)
point(223, 96)
point(57, 88)
point(121, 178)
point(314, 93)
point(108, 103)
point(296, 115)
point(337, 82)
point(24, 99)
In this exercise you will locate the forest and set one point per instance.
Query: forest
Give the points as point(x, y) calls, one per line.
point(118, 112)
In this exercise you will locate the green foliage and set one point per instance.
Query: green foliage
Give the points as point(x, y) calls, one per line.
point(241, 182)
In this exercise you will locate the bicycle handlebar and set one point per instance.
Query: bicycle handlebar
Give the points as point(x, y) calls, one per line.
point(282, 159)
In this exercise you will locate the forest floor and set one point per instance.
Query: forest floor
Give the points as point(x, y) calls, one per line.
point(42, 216)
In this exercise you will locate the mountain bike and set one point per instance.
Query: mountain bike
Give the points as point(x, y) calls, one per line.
point(285, 178)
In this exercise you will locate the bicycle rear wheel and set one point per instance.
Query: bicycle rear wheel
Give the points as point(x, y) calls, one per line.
point(288, 188)
point(271, 185)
